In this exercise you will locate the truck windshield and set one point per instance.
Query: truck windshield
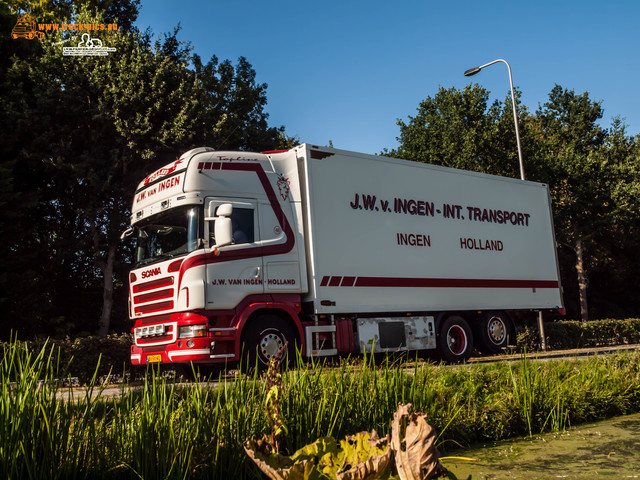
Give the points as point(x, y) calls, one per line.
point(168, 234)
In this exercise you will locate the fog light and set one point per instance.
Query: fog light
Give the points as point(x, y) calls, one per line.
point(190, 343)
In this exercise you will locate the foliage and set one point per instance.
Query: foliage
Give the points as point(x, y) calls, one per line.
point(113, 351)
point(569, 334)
point(80, 133)
point(121, 12)
point(84, 357)
point(357, 457)
point(161, 429)
point(410, 452)
point(588, 177)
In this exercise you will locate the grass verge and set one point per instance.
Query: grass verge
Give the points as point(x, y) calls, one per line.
point(162, 430)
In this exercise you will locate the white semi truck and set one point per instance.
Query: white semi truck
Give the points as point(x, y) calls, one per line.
point(334, 252)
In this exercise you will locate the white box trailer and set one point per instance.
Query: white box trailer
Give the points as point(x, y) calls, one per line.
point(336, 252)
point(395, 235)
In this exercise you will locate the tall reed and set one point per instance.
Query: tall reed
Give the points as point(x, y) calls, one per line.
point(164, 430)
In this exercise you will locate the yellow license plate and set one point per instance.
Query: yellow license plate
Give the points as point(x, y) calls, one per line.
point(154, 358)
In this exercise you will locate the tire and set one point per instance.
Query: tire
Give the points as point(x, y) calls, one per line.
point(455, 340)
point(263, 339)
point(494, 332)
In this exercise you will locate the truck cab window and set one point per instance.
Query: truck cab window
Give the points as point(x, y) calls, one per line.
point(242, 226)
point(168, 234)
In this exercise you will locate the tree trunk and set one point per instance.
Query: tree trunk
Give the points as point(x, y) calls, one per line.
point(107, 292)
point(582, 280)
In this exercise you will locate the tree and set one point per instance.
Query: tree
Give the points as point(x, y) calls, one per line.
point(122, 12)
point(102, 124)
point(459, 129)
point(612, 266)
point(588, 184)
point(233, 115)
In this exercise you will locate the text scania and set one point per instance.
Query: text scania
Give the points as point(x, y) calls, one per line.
point(151, 273)
point(452, 211)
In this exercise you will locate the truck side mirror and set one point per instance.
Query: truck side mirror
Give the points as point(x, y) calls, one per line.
point(222, 225)
point(224, 210)
point(214, 211)
point(127, 233)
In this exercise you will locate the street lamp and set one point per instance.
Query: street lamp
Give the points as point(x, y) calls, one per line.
point(473, 71)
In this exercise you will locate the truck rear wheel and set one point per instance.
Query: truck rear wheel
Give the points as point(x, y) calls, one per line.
point(494, 332)
point(264, 338)
point(455, 340)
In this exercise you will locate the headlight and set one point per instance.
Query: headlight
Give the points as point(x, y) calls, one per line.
point(191, 331)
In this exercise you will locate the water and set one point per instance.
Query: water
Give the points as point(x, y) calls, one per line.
point(607, 449)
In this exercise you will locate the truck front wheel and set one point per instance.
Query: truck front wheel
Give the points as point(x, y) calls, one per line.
point(494, 332)
point(264, 338)
point(455, 340)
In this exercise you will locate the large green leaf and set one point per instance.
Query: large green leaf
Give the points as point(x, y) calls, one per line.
point(363, 456)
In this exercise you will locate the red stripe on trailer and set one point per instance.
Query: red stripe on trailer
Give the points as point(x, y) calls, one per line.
point(348, 281)
point(452, 283)
point(403, 282)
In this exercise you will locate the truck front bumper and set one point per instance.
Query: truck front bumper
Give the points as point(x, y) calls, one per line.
point(216, 347)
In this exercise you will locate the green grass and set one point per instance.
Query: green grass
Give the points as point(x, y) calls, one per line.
point(160, 430)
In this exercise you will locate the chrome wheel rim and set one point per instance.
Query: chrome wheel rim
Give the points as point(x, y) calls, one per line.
point(496, 330)
point(270, 346)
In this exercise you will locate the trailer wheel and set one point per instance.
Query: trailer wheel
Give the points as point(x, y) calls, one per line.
point(263, 339)
point(494, 332)
point(455, 340)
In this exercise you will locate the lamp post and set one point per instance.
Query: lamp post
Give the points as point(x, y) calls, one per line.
point(473, 71)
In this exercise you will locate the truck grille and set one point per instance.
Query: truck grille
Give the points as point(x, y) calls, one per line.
point(153, 296)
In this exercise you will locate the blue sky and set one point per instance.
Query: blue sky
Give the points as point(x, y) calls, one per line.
point(344, 71)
